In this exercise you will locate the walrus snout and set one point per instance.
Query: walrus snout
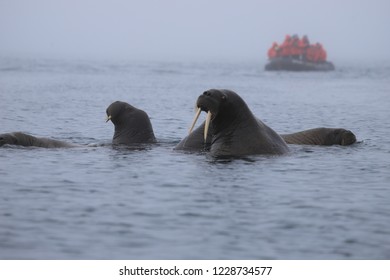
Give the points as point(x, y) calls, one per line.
point(203, 102)
point(208, 101)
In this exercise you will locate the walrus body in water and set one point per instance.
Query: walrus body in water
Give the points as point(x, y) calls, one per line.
point(321, 136)
point(132, 125)
point(26, 140)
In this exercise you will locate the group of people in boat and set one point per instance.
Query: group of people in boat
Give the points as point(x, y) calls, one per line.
point(299, 48)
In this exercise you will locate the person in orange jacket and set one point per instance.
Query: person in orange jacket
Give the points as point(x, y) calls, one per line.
point(273, 51)
point(285, 48)
point(304, 42)
point(321, 53)
point(311, 53)
point(303, 45)
point(316, 53)
point(295, 50)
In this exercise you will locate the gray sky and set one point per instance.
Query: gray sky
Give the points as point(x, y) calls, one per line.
point(190, 30)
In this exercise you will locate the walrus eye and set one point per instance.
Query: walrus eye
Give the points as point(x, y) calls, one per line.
point(207, 93)
point(223, 97)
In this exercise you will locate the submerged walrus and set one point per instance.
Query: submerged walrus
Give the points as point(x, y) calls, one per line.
point(234, 130)
point(321, 136)
point(26, 140)
point(132, 125)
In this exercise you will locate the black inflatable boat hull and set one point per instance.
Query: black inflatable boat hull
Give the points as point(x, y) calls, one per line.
point(293, 64)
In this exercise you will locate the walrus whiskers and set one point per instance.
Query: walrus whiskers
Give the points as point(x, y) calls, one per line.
point(195, 120)
point(206, 126)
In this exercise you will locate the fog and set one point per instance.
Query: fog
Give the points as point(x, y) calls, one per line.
point(177, 30)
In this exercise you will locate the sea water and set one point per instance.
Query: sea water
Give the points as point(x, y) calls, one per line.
point(100, 202)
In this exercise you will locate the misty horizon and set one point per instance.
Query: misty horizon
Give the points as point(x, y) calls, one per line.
point(188, 30)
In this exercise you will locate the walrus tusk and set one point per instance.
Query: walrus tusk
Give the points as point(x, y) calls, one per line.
point(206, 126)
point(195, 119)
point(108, 118)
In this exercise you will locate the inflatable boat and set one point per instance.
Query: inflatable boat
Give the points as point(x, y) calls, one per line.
point(296, 64)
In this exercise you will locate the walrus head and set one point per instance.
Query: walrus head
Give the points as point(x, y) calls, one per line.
point(117, 110)
point(344, 137)
point(8, 138)
point(222, 106)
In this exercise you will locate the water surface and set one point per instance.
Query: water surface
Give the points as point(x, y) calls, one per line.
point(100, 202)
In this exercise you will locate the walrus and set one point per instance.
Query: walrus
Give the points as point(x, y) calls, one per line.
point(321, 136)
point(195, 140)
point(26, 140)
point(233, 130)
point(132, 125)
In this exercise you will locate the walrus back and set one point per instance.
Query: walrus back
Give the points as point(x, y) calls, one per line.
point(27, 140)
point(321, 136)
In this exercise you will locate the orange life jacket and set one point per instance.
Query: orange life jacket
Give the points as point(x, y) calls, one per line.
point(312, 53)
point(304, 42)
point(295, 50)
point(321, 53)
point(273, 51)
point(285, 48)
